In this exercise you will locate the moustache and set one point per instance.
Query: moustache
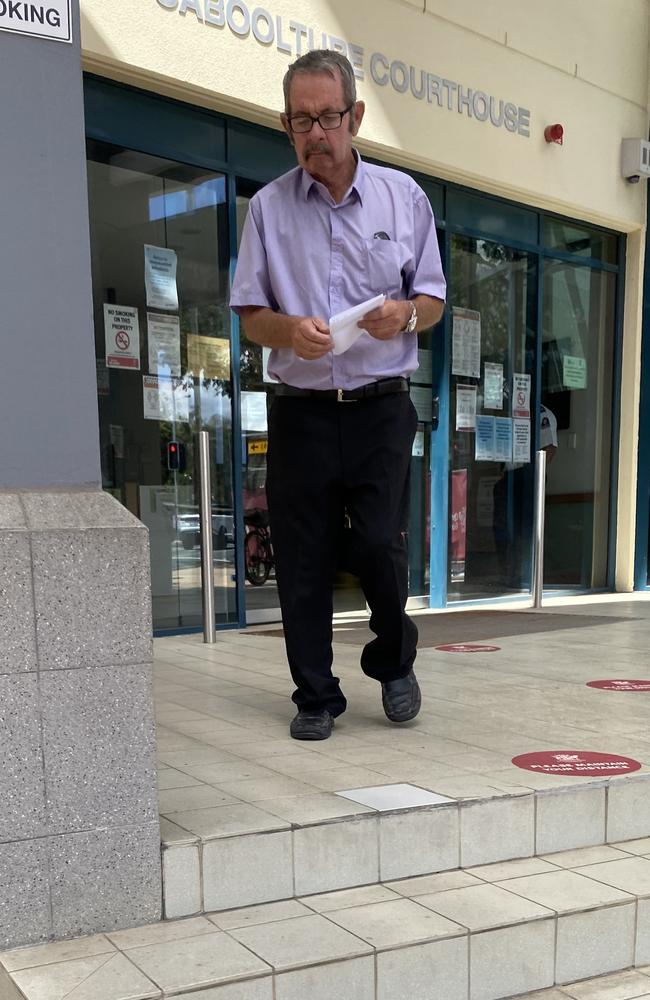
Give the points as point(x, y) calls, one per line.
point(317, 147)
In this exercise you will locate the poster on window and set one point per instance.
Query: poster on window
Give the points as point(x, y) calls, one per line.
point(502, 439)
point(485, 446)
point(520, 441)
point(122, 334)
point(493, 386)
point(165, 398)
point(520, 395)
point(160, 278)
point(574, 372)
point(465, 407)
point(423, 402)
point(466, 343)
point(164, 340)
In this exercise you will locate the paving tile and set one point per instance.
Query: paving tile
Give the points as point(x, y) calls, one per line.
point(175, 800)
point(512, 869)
point(424, 884)
point(630, 874)
point(642, 955)
point(641, 846)
point(483, 907)
point(160, 933)
point(306, 809)
point(181, 881)
point(353, 979)
point(292, 944)
point(248, 916)
point(564, 891)
point(199, 961)
point(172, 834)
point(265, 789)
point(336, 855)
point(512, 960)
point(104, 977)
point(628, 809)
point(171, 778)
point(58, 951)
point(391, 924)
point(227, 821)
point(324, 902)
point(398, 796)
point(620, 986)
point(580, 938)
point(251, 989)
point(569, 819)
point(584, 856)
point(436, 969)
point(496, 831)
point(418, 842)
point(336, 779)
point(239, 871)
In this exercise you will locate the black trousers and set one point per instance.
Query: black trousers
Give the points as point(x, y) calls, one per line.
point(324, 458)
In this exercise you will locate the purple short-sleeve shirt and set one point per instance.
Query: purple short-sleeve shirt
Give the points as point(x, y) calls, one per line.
point(304, 255)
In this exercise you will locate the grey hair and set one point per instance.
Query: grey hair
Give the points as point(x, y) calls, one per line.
point(323, 61)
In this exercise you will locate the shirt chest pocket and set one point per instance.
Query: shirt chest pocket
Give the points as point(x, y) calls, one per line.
point(383, 260)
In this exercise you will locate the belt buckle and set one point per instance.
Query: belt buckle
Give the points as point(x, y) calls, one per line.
point(340, 398)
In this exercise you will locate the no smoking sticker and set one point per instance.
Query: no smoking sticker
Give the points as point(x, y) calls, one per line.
point(620, 685)
point(576, 762)
point(467, 647)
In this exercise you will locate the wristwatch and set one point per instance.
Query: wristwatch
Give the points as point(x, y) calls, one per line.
point(412, 321)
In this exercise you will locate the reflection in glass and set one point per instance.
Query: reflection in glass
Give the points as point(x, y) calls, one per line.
point(577, 376)
point(183, 383)
point(492, 297)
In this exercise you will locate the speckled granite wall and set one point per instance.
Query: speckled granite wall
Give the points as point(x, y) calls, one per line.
point(79, 833)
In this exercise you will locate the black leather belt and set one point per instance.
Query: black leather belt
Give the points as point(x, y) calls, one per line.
point(383, 387)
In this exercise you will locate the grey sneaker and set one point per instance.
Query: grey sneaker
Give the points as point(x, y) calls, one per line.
point(312, 725)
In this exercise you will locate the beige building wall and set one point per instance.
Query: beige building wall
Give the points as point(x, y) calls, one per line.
point(582, 63)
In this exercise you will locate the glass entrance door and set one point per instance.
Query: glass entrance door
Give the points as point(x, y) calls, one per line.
point(492, 416)
point(160, 255)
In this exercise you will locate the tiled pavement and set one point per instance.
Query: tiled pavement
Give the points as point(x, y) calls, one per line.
point(481, 933)
point(251, 817)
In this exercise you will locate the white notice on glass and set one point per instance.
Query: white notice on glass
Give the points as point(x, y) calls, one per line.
point(465, 407)
point(423, 402)
point(417, 449)
point(466, 343)
point(122, 333)
point(502, 439)
point(266, 354)
point(343, 326)
point(520, 441)
point(160, 277)
point(164, 338)
point(253, 412)
point(165, 399)
point(521, 395)
point(493, 386)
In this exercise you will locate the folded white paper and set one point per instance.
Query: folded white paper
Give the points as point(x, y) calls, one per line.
point(343, 326)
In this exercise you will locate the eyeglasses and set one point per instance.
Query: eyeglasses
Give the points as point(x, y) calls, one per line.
point(328, 121)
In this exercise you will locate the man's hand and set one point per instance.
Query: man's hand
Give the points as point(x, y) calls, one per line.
point(388, 320)
point(310, 338)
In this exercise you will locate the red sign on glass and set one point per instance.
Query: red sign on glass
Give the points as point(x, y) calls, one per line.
point(576, 762)
point(620, 685)
point(467, 647)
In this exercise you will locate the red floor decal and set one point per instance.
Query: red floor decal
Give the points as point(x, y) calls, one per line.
point(467, 647)
point(620, 685)
point(576, 762)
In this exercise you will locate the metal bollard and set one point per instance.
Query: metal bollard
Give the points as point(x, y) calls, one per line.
point(538, 537)
point(205, 515)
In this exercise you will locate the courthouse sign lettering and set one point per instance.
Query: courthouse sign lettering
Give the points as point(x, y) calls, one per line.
point(50, 19)
point(293, 38)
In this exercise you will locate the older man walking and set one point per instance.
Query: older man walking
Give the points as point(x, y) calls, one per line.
point(329, 235)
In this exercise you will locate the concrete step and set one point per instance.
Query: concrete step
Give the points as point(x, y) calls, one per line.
point(242, 854)
point(478, 933)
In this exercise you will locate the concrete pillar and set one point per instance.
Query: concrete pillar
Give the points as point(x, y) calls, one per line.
point(79, 833)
